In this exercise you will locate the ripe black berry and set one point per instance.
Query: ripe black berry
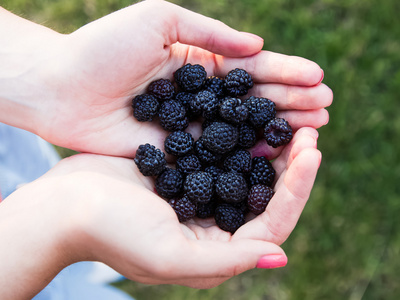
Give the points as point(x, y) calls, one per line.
point(150, 160)
point(238, 161)
point(190, 78)
point(220, 137)
point(169, 183)
point(231, 187)
point(278, 132)
point(258, 198)
point(162, 89)
point(184, 208)
point(261, 111)
point(199, 187)
point(262, 171)
point(228, 218)
point(233, 111)
point(188, 164)
point(238, 82)
point(178, 143)
point(145, 107)
point(173, 116)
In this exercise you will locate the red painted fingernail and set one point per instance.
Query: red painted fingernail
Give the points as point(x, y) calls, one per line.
point(272, 261)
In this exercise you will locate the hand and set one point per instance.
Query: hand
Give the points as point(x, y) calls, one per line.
point(92, 207)
point(89, 77)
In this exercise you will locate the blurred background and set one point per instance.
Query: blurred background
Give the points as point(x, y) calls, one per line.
point(347, 242)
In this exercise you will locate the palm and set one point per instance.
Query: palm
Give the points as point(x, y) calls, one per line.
point(114, 58)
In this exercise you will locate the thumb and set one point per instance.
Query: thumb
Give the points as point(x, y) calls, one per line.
point(187, 27)
point(216, 259)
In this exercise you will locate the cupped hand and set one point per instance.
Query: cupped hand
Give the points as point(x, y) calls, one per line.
point(91, 75)
point(94, 207)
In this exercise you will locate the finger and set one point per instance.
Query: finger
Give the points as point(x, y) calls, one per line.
point(216, 259)
point(187, 27)
point(304, 138)
point(270, 67)
point(305, 118)
point(285, 207)
point(294, 97)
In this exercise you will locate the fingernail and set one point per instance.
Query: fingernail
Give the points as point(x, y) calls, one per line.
point(272, 261)
point(253, 35)
point(322, 77)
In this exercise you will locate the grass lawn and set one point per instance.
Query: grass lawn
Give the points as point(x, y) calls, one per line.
point(347, 242)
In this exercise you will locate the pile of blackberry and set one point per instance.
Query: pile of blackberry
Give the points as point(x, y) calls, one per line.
point(215, 175)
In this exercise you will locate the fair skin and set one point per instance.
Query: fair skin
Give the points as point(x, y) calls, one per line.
point(75, 91)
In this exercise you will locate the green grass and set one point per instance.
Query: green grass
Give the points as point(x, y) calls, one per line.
point(346, 245)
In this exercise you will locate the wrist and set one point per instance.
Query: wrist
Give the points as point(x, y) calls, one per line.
point(24, 57)
point(32, 230)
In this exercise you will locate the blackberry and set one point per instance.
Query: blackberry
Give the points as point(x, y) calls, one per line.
point(188, 164)
point(214, 171)
point(162, 89)
point(262, 172)
point(231, 187)
point(145, 107)
point(258, 198)
point(199, 187)
point(206, 210)
point(232, 110)
point(215, 85)
point(278, 132)
point(169, 183)
point(228, 218)
point(261, 111)
point(206, 156)
point(238, 82)
point(247, 136)
point(173, 116)
point(184, 208)
point(205, 103)
point(220, 137)
point(150, 160)
point(190, 78)
point(238, 161)
point(178, 143)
